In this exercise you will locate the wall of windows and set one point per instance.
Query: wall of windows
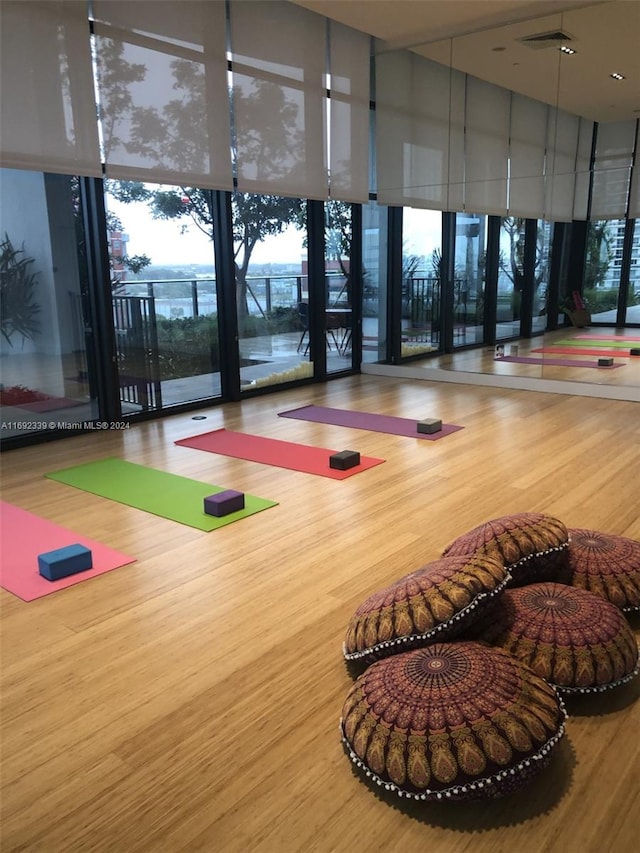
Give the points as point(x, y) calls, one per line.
point(221, 236)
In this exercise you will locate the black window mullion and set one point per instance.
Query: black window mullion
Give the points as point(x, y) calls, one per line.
point(394, 286)
point(317, 287)
point(102, 359)
point(491, 279)
point(226, 295)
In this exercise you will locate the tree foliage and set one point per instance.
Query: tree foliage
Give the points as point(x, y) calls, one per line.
point(175, 137)
point(18, 308)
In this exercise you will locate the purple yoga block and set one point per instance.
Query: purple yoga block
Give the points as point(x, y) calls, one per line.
point(63, 562)
point(223, 503)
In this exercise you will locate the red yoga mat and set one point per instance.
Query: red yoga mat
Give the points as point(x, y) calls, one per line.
point(272, 451)
point(25, 536)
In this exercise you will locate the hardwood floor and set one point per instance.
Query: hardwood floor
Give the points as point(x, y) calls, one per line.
point(190, 701)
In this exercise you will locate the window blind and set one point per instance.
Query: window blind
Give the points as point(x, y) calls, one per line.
point(47, 103)
point(278, 73)
point(419, 132)
point(349, 52)
point(162, 83)
point(612, 169)
point(486, 147)
point(527, 144)
point(562, 148)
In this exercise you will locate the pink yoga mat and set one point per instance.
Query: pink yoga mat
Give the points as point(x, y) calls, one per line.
point(272, 451)
point(25, 536)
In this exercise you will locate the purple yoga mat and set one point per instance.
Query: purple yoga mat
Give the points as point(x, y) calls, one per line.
point(366, 420)
point(556, 362)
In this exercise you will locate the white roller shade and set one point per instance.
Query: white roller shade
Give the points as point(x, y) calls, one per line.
point(278, 73)
point(527, 146)
point(562, 148)
point(612, 169)
point(582, 170)
point(486, 147)
point(419, 131)
point(164, 104)
point(634, 196)
point(349, 113)
point(47, 104)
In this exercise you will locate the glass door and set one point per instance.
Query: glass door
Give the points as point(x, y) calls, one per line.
point(469, 279)
point(163, 294)
point(421, 282)
point(511, 278)
point(48, 382)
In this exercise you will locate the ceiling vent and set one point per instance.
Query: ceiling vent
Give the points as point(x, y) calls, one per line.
point(539, 41)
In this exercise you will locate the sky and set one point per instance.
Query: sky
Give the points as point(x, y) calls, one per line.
point(162, 241)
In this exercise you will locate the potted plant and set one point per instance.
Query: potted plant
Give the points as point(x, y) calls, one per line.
point(18, 308)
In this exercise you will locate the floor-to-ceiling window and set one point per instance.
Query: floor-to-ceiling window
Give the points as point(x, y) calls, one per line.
point(48, 376)
point(469, 278)
point(603, 261)
point(272, 289)
point(541, 272)
point(374, 282)
point(511, 278)
point(632, 314)
point(163, 294)
point(422, 275)
point(339, 315)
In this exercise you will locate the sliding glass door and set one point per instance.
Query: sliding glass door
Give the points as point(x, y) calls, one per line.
point(163, 294)
point(47, 371)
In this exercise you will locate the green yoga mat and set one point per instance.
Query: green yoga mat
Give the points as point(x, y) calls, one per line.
point(590, 343)
point(157, 492)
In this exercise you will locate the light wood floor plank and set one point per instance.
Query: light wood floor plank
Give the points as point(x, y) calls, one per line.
point(190, 701)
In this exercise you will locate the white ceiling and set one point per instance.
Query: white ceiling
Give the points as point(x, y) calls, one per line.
point(481, 38)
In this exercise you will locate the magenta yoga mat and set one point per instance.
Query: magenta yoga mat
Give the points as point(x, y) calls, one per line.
point(367, 420)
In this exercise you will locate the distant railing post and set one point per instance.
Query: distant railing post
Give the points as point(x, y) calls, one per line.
point(194, 298)
point(267, 290)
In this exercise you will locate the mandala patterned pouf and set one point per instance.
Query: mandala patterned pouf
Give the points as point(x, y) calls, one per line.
point(573, 639)
point(531, 545)
point(606, 565)
point(433, 603)
point(458, 720)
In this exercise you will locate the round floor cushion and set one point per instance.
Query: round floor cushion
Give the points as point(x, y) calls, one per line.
point(455, 720)
point(606, 565)
point(432, 603)
point(531, 545)
point(573, 639)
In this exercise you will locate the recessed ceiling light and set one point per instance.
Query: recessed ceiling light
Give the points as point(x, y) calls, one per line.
point(617, 76)
point(568, 50)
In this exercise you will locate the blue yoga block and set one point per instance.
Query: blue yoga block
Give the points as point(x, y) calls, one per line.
point(344, 459)
point(222, 503)
point(63, 562)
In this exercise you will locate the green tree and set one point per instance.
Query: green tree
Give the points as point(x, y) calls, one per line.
point(175, 138)
point(513, 265)
point(598, 254)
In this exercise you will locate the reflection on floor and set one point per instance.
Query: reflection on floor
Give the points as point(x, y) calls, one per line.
point(577, 366)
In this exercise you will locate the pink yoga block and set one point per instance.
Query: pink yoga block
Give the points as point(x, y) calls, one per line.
point(223, 503)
